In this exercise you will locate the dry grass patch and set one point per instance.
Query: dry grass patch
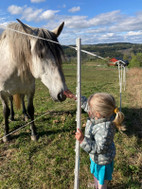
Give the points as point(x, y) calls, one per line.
point(134, 86)
point(134, 91)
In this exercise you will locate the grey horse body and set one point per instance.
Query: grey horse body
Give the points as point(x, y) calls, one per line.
point(22, 60)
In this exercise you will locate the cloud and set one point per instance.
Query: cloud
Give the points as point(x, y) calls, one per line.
point(107, 27)
point(76, 22)
point(48, 14)
point(134, 33)
point(37, 1)
point(103, 21)
point(128, 23)
point(106, 18)
point(74, 9)
point(104, 28)
point(31, 14)
point(13, 9)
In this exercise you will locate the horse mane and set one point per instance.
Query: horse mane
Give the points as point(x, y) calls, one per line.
point(21, 49)
point(43, 46)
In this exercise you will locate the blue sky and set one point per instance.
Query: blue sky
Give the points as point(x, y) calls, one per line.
point(94, 21)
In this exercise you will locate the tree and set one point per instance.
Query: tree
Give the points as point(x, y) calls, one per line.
point(136, 60)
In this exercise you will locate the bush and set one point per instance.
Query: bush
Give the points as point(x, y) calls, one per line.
point(136, 60)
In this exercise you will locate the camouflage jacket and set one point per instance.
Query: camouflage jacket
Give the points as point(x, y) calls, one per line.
point(98, 138)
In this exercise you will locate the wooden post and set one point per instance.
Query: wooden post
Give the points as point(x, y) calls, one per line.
point(78, 115)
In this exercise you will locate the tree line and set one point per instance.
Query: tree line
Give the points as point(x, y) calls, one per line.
point(122, 51)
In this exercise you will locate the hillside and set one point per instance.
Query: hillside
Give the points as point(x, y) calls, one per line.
point(111, 50)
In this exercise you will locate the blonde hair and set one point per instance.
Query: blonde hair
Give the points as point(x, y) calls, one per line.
point(105, 105)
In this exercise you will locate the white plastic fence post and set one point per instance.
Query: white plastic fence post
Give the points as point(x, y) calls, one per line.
point(78, 118)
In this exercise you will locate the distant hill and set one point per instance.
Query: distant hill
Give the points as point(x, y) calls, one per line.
point(110, 50)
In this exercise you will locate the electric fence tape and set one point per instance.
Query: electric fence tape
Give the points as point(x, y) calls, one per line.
point(122, 76)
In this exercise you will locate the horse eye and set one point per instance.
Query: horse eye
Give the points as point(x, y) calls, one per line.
point(42, 53)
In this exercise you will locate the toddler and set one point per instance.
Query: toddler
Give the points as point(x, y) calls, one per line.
point(104, 118)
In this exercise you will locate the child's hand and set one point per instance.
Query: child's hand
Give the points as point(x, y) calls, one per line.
point(79, 136)
point(69, 94)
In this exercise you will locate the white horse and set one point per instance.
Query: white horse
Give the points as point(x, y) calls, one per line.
point(24, 58)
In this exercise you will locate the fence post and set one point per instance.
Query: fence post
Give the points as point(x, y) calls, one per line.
point(78, 115)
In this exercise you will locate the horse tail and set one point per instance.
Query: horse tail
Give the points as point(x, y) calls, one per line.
point(17, 101)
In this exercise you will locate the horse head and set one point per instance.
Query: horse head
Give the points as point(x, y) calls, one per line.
point(46, 59)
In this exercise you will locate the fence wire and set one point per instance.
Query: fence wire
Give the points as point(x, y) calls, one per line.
point(72, 47)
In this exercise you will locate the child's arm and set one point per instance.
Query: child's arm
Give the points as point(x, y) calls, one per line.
point(84, 100)
point(89, 145)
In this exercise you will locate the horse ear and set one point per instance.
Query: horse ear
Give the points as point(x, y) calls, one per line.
point(58, 30)
point(26, 28)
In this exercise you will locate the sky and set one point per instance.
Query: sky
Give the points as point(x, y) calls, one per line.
point(94, 21)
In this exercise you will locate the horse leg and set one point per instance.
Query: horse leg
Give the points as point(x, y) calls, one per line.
point(30, 110)
point(24, 111)
point(6, 113)
point(11, 108)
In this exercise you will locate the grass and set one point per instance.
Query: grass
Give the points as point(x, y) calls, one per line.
point(49, 163)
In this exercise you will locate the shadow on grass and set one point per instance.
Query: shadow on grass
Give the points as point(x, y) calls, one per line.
point(132, 184)
point(133, 121)
point(46, 119)
point(42, 133)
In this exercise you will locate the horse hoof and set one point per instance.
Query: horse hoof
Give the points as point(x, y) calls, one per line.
point(6, 139)
point(34, 137)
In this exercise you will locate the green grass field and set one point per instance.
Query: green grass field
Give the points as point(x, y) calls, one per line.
point(49, 163)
